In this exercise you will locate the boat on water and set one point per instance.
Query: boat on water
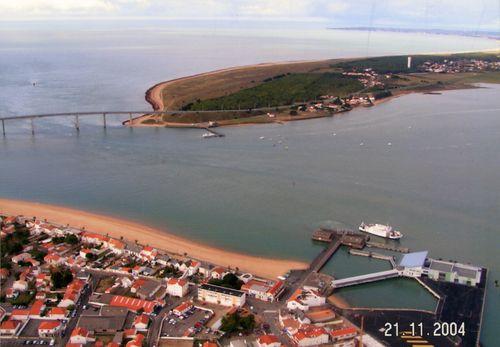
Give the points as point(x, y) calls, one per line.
point(381, 230)
point(208, 135)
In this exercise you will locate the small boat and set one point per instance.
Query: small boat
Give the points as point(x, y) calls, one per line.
point(208, 135)
point(381, 230)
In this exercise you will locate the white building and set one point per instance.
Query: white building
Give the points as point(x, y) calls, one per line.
point(221, 296)
point(10, 327)
point(177, 287)
point(302, 299)
point(412, 264)
point(311, 336)
point(49, 328)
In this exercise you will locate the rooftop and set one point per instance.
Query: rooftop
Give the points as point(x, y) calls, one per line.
point(223, 290)
point(415, 259)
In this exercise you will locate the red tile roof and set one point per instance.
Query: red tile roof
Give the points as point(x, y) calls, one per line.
point(49, 325)
point(343, 332)
point(79, 331)
point(9, 324)
point(144, 319)
point(132, 303)
point(178, 281)
point(36, 308)
point(268, 339)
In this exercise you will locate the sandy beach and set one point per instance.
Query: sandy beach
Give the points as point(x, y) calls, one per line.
point(161, 239)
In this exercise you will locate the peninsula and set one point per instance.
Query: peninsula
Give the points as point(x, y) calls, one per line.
point(289, 91)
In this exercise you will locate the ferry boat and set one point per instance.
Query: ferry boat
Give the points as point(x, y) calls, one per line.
point(381, 230)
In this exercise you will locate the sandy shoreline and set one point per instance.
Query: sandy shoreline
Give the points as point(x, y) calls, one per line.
point(114, 227)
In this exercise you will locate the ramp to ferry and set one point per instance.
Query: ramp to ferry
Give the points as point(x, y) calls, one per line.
point(373, 277)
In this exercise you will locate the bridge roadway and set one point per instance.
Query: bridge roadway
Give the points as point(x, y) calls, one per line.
point(129, 113)
point(372, 277)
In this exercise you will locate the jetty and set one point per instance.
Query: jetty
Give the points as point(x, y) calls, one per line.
point(387, 247)
point(374, 255)
point(371, 277)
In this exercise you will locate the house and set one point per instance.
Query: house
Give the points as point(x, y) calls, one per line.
point(57, 313)
point(21, 257)
point(141, 322)
point(209, 344)
point(221, 295)
point(177, 287)
point(49, 328)
point(81, 336)
point(218, 272)
point(36, 309)
point(4, 273)
point(54, 259)
point(343, 334)
point(303, 299)
point(20, 285)
point(10, 293)
point(310, 335)
point(72, 293)
point(268, 341)
point(117, 247)
point(148, 253)
point(182, 308)
point(18, 314)
point(193, 267)
point(136, 342)
point(265, 290)
point(147, 289)
point(95, 239)
point(10, 327)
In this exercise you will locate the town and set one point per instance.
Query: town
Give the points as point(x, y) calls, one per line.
point(71, 287)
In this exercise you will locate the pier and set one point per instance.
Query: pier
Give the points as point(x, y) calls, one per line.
point(372, 277)
point(322, 258)
point(387, 247)
point(374, 255)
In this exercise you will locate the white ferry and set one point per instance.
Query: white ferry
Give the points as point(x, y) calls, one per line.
point(381, 230)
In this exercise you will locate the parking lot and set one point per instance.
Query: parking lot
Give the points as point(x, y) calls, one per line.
point(190, 323)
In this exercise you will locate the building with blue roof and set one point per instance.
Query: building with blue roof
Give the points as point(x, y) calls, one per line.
point(412, 264)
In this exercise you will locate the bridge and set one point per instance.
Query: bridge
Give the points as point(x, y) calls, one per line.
point(372, 277)
point(130, 114)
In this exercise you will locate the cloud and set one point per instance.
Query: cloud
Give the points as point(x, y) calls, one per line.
point(457, 14)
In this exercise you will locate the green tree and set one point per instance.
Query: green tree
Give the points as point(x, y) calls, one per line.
point(61, 277)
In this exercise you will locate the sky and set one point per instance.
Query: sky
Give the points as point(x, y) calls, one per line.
point(470, 15)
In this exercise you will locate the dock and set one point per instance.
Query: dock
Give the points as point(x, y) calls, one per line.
point(387, 247)
point(322, 258)
point(374, 255)
point(372, 277)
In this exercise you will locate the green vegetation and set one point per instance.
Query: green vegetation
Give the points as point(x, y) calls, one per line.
point(285, 90)
point(13, 243)
point(38, 254)
point(398, 64)
point(235, 323)
point(168, 271)
point(24, 298)
point(69, 239)
point(61, 277)
point(229, 281)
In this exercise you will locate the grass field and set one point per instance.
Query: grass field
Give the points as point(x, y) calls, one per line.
point(283, 90)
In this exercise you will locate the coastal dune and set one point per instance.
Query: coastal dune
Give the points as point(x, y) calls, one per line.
point(161, 239)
